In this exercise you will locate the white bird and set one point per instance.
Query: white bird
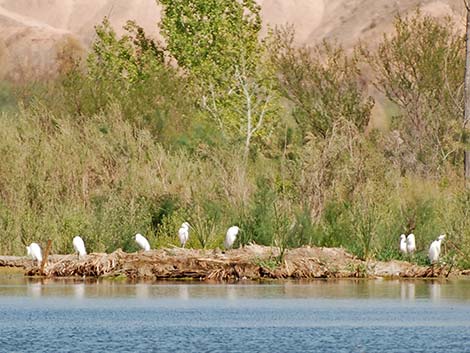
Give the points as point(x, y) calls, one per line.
point(34, 250)
point(79, 246)
point(403, 243)
point(231, 236)
point(410, 243)
point(142, 242)
point(183, 233)
point(435, 249)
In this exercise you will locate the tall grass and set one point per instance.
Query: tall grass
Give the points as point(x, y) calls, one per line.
point(103, 178)
point(106, 179)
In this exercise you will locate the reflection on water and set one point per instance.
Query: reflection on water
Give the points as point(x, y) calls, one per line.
point(79, 290)
point(405, 290)
point(142, 291)
point(231, 292)
point(281, 316)
point(183, 292)
point(34, 289)
point(435, 291)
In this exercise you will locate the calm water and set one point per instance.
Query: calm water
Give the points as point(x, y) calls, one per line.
point(322, 316)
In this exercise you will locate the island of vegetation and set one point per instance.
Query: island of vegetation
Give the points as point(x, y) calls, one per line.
point(222, 126)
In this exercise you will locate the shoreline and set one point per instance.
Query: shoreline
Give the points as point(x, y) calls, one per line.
point(252, 262)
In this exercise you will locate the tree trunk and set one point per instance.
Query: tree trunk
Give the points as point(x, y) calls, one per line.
point(467, 99)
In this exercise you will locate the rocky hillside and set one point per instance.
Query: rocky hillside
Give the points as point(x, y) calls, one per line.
point(32, 32)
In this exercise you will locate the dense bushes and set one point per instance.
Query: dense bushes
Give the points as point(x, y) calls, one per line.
point(127, 142)
point(421, 70)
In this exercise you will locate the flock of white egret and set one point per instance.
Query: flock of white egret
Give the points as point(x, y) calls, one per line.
point(407, 243)
point(34, 250)
point(408, 246)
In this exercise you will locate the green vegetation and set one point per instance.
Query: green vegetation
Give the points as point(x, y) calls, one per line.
point(262, 134)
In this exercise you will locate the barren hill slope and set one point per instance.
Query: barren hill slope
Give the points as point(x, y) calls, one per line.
point(32, 31)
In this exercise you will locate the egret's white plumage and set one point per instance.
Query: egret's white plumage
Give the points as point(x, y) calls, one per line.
point(183, 233)
point(435, 249)
point(79, 246)
point(231, 236)
point(410, 243)
point(34, 250)
point(142, 242)
point(403, 243)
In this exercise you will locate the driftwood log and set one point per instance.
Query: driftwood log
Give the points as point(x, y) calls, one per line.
point(251, 262)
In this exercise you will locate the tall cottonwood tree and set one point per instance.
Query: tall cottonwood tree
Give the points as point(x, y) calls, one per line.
point(210, 38)
point(217, 43)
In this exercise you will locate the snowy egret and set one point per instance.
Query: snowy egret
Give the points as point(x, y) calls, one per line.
point(79, 246)
point(410, 243)
point(142, 242)
point(34, 250)
point(183, 233)
point(435, 249)
point(231, 236)
point(403, 243)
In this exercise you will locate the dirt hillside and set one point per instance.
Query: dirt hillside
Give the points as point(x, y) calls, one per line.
point(32, 32)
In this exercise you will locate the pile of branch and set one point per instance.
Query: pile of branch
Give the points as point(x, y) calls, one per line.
point(251, 262)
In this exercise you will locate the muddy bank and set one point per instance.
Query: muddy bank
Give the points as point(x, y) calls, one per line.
point(251, 262)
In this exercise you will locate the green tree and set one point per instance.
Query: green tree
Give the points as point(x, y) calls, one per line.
point(322, 83)
point(209, 38)
point(216, 43)
point(420, 68)
point(130, 73)
point(124, 60)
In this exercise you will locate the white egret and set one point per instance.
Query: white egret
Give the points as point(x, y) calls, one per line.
point(403, 243)
point(435, 249)
point(183, 233)
point(79, 246)
point(34, 250)
point(142, 242)
point(410, 243)
point(231, 236)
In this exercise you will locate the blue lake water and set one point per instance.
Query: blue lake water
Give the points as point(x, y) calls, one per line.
point(315, 316)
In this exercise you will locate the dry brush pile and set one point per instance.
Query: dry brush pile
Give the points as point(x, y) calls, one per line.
point(252, 262)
